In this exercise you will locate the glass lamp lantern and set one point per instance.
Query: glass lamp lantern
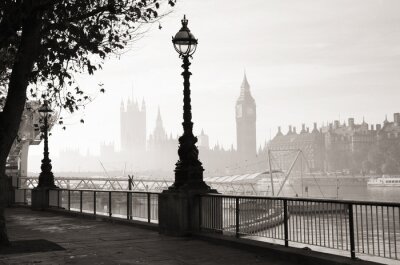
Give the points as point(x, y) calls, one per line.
point(45, 111)
point(184, 41)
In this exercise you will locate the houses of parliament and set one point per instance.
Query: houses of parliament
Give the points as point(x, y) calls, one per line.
point(159, 151)
point(155, 153)
point(336, 146)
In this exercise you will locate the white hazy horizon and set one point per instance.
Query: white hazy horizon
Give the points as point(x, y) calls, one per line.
point(306, 61)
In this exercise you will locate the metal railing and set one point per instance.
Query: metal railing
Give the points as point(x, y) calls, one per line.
point(130, 205)
point(23, 196)
point(371, 228)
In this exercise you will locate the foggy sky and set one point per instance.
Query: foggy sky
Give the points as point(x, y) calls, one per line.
point(306, 61)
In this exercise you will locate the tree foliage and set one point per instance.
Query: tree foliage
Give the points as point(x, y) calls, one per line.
point(76, 36)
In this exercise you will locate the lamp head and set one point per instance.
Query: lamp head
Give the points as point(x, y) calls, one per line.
point(45, 110)
point(184, 41)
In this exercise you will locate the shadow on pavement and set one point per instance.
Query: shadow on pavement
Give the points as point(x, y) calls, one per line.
point(29, 246)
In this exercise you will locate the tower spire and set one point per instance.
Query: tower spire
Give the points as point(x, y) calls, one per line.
point(159, 132)
point(159, 120)
point(245, 90)
point(245, 83)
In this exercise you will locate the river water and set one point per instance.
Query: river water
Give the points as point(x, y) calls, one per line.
point(344, 188)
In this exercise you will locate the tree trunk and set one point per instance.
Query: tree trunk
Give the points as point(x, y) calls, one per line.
point(15, 103)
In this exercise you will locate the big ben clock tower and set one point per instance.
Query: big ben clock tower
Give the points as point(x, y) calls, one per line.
point(246, 122)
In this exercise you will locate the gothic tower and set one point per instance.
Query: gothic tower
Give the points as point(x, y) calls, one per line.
point(133, 128)
point(246, 123)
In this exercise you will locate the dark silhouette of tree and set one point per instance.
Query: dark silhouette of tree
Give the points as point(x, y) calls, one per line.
point(44, 42)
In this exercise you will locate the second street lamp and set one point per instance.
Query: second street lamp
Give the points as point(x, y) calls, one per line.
point(189, 170)
point(46, 177)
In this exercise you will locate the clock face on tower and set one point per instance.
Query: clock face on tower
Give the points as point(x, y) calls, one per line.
point(250, 111)
point(238, 111)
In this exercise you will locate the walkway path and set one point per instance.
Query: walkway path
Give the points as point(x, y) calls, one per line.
point(49, 238)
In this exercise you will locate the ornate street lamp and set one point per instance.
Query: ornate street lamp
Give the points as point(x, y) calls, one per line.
point(46, 177)
point(189, 170)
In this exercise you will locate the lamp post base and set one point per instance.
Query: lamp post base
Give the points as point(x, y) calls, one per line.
point(179, 209)
point(40, 198)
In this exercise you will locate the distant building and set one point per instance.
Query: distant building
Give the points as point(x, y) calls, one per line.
point(158, 152)
point(162, 149)
point(347, 145)
point(310, 143)
point(203, 141)
point(133, 129)
point(341, 147)
point(390, 130)
point(334, 147)
point(246, 123)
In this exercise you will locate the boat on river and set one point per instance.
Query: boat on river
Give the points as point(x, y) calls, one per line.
point(384, 181)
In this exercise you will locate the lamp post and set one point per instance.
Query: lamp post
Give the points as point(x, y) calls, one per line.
point(46, 177)
point(179, 207)
point(188, 170)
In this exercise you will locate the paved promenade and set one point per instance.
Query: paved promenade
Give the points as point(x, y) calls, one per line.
point(40, 237)
point(49, 238)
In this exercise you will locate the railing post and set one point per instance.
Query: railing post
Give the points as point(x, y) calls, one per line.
point(58, 198)
point(148, 208)
point(285, 222)
point(131, 201)
point(69, 200)
point(130, 182)
point(237, 217)
point(25, 197)
point(351, 230)
point(128, 202)
point(94, 202)
point(109, 204)
point(200, 212)
point(80, 201)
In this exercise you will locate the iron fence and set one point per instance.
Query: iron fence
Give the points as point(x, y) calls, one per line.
point(23, 196)
point(141, 206)
point(370, 228)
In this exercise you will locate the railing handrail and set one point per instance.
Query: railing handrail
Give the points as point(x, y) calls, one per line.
point(346, 225)
point(357, 202)
point(101, 190)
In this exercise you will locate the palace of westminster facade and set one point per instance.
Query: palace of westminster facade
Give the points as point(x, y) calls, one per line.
point(326, 148)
